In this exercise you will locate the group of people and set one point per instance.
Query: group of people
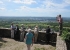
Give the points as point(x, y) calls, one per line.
point(30, 38)
point(15, 32)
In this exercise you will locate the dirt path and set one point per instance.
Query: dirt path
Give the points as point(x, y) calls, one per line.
point(11, 44)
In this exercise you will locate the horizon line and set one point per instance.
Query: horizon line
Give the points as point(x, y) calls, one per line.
point(27, 16)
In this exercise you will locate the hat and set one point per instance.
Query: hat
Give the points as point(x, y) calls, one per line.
point(29, 30)
point(22, 24)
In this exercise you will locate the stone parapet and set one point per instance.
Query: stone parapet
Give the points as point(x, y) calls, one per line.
point(60, 44)
point(6, 32)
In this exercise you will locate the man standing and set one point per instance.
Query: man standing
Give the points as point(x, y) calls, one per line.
point(12, 30)
point(48, 34)
point(60, 21)
point(17, 35)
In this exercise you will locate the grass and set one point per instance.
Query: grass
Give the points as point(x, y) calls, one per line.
point(43, 48)
point(16, 45)
point(39, 48)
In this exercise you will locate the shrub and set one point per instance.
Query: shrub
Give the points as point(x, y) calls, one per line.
point(66, 35)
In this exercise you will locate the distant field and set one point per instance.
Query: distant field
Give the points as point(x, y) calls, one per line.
point(42, 22)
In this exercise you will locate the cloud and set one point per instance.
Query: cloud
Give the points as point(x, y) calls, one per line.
point(39, 7)
point(18, 1)
point(9, 0)
point(47, 7)
point(24, 1)
point(67, 1)
point(29, 1)
point(29, 9)
point(1, 2)
point(51, 4)
point(2, 8)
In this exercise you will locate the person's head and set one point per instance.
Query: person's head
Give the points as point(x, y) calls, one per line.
point(29, 30)
point(16, 25)
point(48, 26)
point(59, 15)
point(22, 25)
point(11, 23)
point(29, 27)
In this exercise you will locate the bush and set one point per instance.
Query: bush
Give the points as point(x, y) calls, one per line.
point(66, 35)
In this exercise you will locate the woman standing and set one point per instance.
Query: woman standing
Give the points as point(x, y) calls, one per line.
point(36, 33)
point(29, 39)
point(22, 33)
point(12, 30)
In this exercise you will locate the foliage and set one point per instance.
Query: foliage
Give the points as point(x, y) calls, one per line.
point(66, 35)
point(32, 22)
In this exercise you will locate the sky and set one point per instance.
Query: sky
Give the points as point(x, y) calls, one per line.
point(36, 8)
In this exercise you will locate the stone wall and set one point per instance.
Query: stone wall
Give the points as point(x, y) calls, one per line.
point(6, 32)
point(60, 44)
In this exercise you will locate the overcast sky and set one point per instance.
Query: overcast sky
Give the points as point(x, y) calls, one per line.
point(35, 8)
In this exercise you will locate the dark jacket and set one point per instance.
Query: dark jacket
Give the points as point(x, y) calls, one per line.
point(48, 30)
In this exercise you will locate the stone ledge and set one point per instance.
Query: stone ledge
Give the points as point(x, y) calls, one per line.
point(6, 32)
point(60, 44)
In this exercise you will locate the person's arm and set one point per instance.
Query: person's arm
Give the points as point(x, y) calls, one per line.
point(12, 28)
point(21, 29)
point(61, 20)
point(46, 30)
point(25, 38)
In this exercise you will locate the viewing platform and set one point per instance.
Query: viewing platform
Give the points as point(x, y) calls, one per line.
point(59, 44)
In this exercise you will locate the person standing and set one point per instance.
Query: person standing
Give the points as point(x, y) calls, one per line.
point(12, 30)
point(36, 33)
point(48, 30)
point(22, 33)
point(60, 21)
point(29, 39)
point(17, 34)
